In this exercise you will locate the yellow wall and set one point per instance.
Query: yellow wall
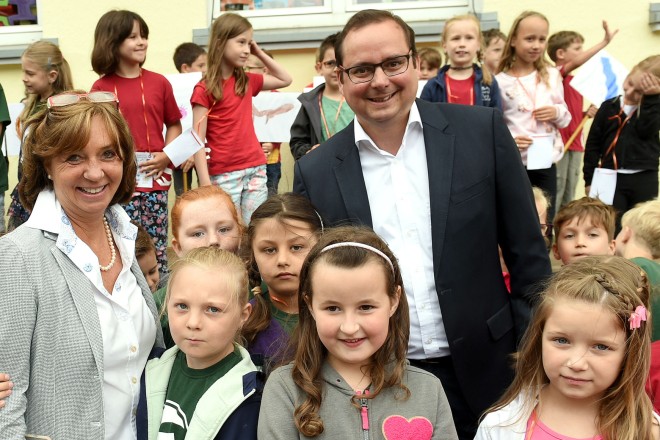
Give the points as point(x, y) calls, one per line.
point(171, 23)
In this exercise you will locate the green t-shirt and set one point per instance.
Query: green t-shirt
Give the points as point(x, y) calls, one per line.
point(5, 120)
point(186, 387)
point(337, 116)
point(652, 270)
point(288, 321)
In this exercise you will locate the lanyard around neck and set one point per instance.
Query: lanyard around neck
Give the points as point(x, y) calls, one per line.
point(144, 109)
point(325, 122)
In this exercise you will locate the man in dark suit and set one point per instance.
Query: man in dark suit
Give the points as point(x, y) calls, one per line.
point(443, 185)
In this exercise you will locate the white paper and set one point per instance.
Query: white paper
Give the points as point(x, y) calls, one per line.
point(600, 78)
point(420, 86)
point(184, 146)
point(182, 86)
point(273, 115)
point(141, 179)
point(539, 154)
point(603, 185)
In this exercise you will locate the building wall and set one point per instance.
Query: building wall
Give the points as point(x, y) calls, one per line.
point(171, 23)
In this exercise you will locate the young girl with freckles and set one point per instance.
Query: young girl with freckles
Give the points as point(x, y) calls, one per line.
point(584, 360)
point(146, 101)
point(350, 377)
point(204, 216)
point(45, 73)
point(222, 113)
point(533, 96)
point(463, 80)
point(280, 235)
point(206, 387)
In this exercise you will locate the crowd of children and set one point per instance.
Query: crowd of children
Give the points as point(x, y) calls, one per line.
point(261, 289)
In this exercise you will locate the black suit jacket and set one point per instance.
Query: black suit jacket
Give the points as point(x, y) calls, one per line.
point(480, 196)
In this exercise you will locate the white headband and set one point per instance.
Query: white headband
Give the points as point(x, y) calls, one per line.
point(360, 245)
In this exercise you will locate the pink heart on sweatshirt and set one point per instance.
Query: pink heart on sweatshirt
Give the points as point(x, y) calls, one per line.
point(400, 428)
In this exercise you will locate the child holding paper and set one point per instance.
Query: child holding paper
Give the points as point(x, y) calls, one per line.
point(533, 100)
point(624, 138)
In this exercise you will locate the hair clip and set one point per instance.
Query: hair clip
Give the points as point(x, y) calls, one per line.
point(637, 317)
point(359, 245)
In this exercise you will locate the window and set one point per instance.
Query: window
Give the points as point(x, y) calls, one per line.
point(19, 26)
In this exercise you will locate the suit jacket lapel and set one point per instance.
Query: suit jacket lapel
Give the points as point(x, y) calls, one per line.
point(84, 303)
point(348, 172)
point(440, 164)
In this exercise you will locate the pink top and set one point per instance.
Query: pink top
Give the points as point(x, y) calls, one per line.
point(537, 430)
point(522, 95)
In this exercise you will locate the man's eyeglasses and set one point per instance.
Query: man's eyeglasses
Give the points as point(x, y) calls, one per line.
point(365, 73)
point(546, 229)
point(64, 99)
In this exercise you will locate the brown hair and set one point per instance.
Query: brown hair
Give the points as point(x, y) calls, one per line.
point(644, 221)
point(283, 208)
point(619, 286)
point(562, 40)
point(224, 28)
point(327, 43)
point(367, 17)
point(213, 258)
point(49, 58)
point(649, 64)
point(201, 193)
point(311, 353)
point(187, 53)
point(432, 57)
point(601, 215)
point(111, 31)
point(143, 242)
point(487, 76)
point(66, 130)
point(492, 34)
point(508, 55)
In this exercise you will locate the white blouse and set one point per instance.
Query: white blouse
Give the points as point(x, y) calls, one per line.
point(127, 324)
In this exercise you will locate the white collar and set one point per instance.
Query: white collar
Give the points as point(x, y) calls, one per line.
point(361, 136)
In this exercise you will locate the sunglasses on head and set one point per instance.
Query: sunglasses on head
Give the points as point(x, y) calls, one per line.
point(64, 99)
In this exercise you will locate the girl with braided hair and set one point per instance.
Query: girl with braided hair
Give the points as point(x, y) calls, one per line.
point(280, 235)
point(584, 361)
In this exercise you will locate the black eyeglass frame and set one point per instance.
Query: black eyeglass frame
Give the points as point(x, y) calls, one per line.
point(373, 68)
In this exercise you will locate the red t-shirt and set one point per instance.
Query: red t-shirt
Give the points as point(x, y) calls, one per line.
point(575, 103)
point(160, 108)
point(460, 91)
point(229, 128)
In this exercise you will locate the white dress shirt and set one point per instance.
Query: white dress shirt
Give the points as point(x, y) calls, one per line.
point(398, 192)
point(127, 324)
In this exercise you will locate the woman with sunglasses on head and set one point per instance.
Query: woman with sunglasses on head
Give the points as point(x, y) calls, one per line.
point(82, 319)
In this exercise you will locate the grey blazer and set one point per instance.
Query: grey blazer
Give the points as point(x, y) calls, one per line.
point(50, 340)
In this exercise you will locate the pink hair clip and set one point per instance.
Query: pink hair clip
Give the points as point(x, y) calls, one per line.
point(637, 317)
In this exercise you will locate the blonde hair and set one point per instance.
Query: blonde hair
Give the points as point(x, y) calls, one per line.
point(644, 220)
point(619, 286)
point(509, 54)
point(224, 28)
point(487, 76)
point(310, 353)
point(49, 58)
point(212, 258)
point(541, 197)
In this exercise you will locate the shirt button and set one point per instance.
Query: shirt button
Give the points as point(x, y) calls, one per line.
point(134, 379)
point(133, 348)
point(423, 306)
point(429, 340)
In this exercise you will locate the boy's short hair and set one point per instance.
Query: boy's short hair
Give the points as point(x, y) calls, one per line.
point(492, 34)
point(431, 56)
point(327, 43)
point(644, 221)
point(561, 40)
point(187, 53)
point(601, 215)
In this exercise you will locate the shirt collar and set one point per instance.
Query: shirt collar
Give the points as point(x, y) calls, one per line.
point(363, 140)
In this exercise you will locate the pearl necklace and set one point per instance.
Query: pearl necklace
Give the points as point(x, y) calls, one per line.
point(113, 254)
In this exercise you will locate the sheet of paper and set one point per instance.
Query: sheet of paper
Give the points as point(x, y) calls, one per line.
point(603, 185)
point(141, 179)
point(539, 154)
point(184, 146)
